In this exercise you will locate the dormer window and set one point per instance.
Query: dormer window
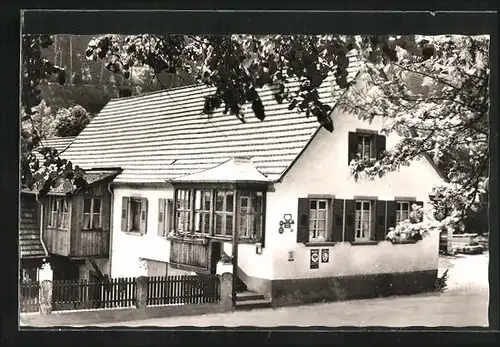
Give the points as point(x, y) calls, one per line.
point(365, 145)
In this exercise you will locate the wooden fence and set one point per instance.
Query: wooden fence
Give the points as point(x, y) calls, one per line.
point(167, 290)
point(121, 292)
point(83, 294)
point(29, 296)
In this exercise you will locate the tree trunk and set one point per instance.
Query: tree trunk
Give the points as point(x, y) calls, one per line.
point(70, 60)
point(55, 50)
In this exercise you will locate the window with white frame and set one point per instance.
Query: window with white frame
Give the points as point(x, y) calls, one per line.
point(92, 213)
point(211, 211)
point(183, 210)
point(365, 146)
point(134, 214)
point(251, 205)
point(224, 203)
point(402, 211)
point(165, 207)
point(363, 220)
point(58, 213)
point(318, 219)
point(202, 208)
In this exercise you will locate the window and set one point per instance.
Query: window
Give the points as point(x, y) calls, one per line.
point(202, 208)
point(363, 220)
point(59, 213)
point(224, 201)
point(250, 215)
point(164, 216)
point(402, 211)
point(134, 215)
point(365, 147)
point(216, 212)
point(92, 212)
point(184, 210)
point(318, 219)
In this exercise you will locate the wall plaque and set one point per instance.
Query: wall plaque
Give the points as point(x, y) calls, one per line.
point(314, 259)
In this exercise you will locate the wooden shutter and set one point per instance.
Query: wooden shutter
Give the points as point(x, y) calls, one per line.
point(353, 146)
point(263, 223)
point(338, 220)
point(303, 220)
point(380, 225)
point(144, 216)
point(350, 213)
point(380, 145)
point(125, 204)
point(169, 216)
point(161, 216)
point(391, 214)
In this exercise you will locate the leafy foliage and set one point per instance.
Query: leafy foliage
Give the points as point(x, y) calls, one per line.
point(35, 70)
point(70, 122)
point(438, 105)
point(237, 65)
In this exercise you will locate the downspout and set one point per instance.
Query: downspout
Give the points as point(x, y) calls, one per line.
point(112, 201)
point(41, 225)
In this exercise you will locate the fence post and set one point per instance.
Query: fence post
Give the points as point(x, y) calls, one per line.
point(141, 292)
point(226, 290)
point(45, 291)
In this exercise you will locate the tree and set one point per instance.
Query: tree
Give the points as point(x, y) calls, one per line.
point(36, 70)
point(439, 107)
point(71, 121)
point(44, 121)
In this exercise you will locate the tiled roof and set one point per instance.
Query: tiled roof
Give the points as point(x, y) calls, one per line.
point(234, 170)
point(163, 135)
point(59, 143)
point(29, 228)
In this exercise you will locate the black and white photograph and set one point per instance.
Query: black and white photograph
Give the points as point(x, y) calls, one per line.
point(249, 179)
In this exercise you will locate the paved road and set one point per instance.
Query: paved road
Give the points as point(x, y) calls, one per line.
point(464, 304)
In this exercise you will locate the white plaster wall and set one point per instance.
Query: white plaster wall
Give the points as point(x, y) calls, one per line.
point(323, 169)
point(251, 263)
point(128, 248)
point(347, 260)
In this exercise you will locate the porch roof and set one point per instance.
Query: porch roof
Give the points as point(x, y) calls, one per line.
point(91, 176)
point(234, 170)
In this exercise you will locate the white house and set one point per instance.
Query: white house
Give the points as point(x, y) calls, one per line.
point(276, 195)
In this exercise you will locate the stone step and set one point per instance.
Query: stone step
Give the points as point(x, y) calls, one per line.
point(252, 304)
point(249, 295)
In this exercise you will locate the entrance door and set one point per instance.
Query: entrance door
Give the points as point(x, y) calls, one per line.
point(215, 256)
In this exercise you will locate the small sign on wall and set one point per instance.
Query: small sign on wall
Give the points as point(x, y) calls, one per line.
point(314, 259)
point(325, 255)
point(290, 256)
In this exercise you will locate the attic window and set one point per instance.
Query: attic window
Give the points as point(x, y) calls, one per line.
point(365, 145)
